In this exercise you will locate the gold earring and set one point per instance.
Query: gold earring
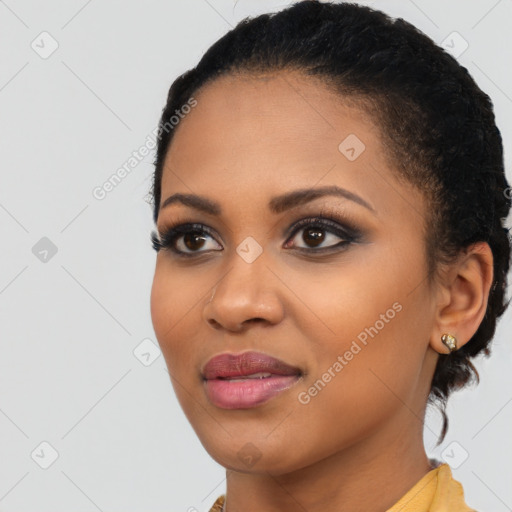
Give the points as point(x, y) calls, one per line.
point(449, 341)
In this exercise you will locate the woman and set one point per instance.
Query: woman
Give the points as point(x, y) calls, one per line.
point(329, 197)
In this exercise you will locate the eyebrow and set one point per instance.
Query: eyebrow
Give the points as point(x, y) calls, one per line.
point(276, 205)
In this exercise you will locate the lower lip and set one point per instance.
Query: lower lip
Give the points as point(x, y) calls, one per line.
point(229, 394)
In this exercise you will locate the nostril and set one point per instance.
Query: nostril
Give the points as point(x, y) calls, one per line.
point(214, 323)
point(254, 320)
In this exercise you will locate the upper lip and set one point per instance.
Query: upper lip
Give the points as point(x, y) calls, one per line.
point(246, 363)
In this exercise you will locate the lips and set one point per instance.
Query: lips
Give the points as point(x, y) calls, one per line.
point(246, 380)
point(248, 365)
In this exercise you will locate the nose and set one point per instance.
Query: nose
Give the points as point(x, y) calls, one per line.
point(247, 293)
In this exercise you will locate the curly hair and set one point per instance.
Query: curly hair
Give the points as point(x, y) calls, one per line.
point(438, 128)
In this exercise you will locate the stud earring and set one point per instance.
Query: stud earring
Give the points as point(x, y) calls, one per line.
point(449, 341)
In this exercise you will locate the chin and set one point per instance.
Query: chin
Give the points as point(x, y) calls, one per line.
point(256, 457)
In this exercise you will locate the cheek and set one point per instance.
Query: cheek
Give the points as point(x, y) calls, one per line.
point(368, 317)
point(170, 304)
point(161, 304)
point(357, 387)
point(176, 303)
point(174, 294)
point(352, 300)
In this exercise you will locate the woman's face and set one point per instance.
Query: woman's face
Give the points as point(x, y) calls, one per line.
point(347, 302)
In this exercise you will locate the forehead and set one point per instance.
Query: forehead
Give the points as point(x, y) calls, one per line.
point(274, 114)
point(274, 132)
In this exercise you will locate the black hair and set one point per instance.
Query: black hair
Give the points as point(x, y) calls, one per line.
point(437, 125)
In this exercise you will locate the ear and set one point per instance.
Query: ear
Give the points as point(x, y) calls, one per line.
point(463, 296)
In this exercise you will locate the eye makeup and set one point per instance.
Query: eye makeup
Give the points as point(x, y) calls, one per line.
point(330, 221)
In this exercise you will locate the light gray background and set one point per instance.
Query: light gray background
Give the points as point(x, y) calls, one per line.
point(70, 325)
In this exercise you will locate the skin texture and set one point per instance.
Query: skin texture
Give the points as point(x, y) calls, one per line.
point(357, 445)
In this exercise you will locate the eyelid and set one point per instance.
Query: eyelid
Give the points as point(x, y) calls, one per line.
point(335, 214)
point(344, 221)
point(343, 226)
point(181, 220)
point(177, 229)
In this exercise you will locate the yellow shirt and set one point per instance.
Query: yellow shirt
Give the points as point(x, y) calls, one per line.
point(437, 491)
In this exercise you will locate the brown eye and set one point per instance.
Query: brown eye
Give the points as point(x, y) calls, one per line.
point(313, 236)
point(318, 233)
point(193, 241)
point(186, 240)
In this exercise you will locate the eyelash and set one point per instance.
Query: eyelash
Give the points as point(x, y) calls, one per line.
point(167, 239)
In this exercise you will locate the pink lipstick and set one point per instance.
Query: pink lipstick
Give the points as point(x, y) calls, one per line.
point(240, 381)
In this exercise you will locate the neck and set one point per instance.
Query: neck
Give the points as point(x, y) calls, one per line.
point(369, 476)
